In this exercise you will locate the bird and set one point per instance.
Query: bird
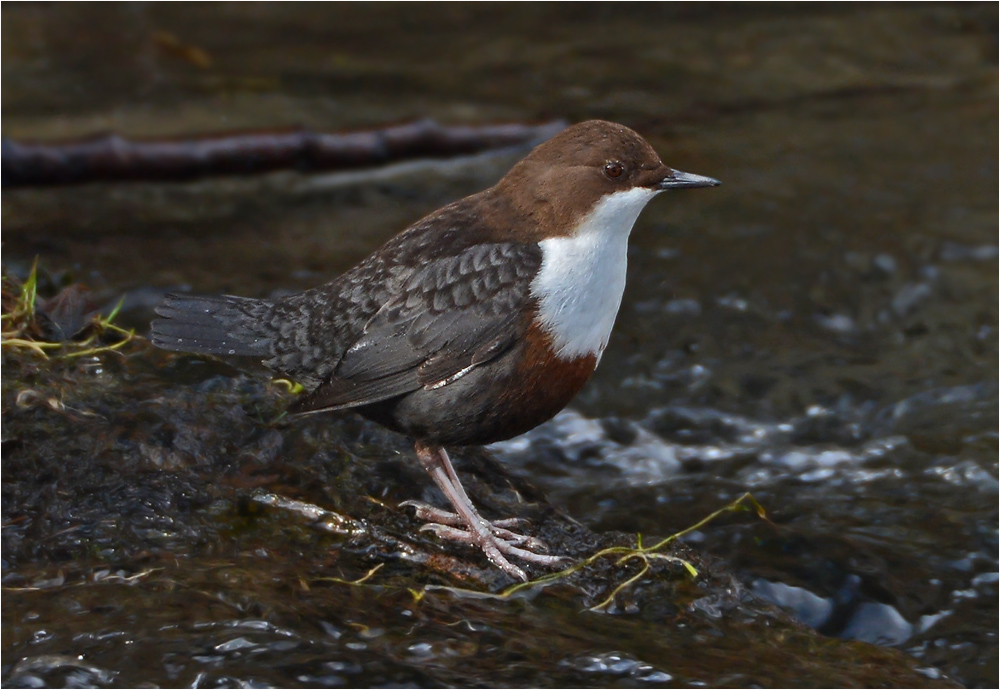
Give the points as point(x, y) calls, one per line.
point(473, 325)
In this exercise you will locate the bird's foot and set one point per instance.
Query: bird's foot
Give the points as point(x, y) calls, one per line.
point(495, 538)
point(500, 528)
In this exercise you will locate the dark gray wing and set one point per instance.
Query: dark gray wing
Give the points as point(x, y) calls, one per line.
point(444, 318)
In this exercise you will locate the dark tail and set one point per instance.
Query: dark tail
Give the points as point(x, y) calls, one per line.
point(214, 325)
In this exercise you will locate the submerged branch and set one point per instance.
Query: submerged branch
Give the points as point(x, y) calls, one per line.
point(115, 158)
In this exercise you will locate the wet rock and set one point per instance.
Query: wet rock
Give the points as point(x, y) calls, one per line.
point(95, 523)
point(807, 607)
point(878, 623)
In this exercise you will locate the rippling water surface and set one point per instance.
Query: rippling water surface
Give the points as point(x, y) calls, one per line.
point(820, 331)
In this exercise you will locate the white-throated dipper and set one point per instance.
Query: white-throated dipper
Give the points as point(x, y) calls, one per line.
point(473, 325)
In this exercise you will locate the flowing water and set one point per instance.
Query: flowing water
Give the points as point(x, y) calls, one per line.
point(820, 331)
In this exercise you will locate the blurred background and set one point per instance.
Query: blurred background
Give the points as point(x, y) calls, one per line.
point(820, 330)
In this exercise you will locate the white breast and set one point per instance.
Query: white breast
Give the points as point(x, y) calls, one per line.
point(580, 283)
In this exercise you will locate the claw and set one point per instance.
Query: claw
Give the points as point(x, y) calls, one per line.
point(435, 517)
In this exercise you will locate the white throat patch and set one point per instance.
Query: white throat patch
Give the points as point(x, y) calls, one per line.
point(580, 283)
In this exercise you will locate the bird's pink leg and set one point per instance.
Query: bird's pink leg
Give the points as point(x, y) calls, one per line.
point(494, 539)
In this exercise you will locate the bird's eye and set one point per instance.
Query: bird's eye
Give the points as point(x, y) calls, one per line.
point(614, 169)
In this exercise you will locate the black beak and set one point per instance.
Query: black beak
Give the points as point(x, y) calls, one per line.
point(682, 180)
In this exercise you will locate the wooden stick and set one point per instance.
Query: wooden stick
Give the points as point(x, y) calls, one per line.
point(115, 158)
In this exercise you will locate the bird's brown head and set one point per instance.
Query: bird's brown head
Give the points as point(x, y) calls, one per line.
point(564, 178)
